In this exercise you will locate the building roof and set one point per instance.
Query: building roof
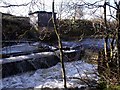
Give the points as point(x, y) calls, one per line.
point(7, 14)
point(42, 12)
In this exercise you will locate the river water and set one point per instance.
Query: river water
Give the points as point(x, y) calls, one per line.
point(76, 71)
point(52, 77)
point(86, 43)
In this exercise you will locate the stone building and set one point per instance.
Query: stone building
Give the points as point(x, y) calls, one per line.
point(42, 19)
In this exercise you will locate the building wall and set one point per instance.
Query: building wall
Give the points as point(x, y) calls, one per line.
point(42, 19)
point(45, 20)
point(0, 38)
point(34, 19)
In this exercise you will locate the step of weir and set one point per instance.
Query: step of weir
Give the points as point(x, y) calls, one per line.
point(24, 63)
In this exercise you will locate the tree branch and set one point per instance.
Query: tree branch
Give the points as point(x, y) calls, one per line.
point(14, 5)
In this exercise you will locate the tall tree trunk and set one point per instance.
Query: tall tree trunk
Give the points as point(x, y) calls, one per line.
point(118, 34)
point(106, 36)
point(60, 47)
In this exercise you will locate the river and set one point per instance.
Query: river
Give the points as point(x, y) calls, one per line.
point(52, 77)
point(77, 72)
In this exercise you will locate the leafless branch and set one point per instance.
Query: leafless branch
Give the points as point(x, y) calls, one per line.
point(15, 5)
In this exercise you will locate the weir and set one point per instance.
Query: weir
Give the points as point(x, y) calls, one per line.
point(23, 63)
point(26, 57)
point(20, 64)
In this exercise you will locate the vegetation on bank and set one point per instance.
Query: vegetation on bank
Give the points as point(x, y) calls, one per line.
point(14, 28)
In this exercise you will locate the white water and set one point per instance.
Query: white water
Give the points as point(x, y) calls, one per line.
point(51, 77)
point(25, 47)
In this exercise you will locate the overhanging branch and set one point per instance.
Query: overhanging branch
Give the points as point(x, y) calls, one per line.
point(14, 5)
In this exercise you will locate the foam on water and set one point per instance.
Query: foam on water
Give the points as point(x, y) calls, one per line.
point(51, 77)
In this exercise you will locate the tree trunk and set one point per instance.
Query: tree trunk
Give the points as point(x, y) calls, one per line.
point(118, 34)
point(60, 47)
point(106, 37)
